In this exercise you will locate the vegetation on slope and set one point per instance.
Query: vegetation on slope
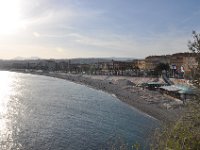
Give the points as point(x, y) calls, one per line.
point(185, 133)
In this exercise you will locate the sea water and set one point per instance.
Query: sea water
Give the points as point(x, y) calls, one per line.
point(40, 113)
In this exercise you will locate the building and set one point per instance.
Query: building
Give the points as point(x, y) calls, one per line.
point(114, 67)
point(122, 67)
point(183, 62)
point(152, 61)
point(139, 63)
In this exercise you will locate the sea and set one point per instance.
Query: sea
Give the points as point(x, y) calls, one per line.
point(45, 113)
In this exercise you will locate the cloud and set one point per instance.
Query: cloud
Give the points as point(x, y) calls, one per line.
point(125, 45)
point(106, 41)
point(41, 13)
point(76, 44)
point(122, 45)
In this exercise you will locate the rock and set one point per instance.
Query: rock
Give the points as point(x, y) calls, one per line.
point(125, 82)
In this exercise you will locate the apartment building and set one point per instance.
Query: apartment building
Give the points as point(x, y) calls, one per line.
point(152, 61)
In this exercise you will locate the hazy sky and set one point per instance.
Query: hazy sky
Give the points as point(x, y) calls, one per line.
point(96, 28)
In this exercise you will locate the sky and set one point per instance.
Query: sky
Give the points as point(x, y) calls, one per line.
point(96, 28)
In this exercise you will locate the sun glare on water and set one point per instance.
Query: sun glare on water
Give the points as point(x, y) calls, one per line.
point(6, 90)
point(9, 16)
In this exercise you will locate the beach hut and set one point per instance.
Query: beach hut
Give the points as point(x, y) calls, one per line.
point(170, 90)
point(154, 85)
point(187, 92)
point(179, 91)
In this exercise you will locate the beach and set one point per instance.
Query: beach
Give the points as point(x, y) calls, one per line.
point(161, 107)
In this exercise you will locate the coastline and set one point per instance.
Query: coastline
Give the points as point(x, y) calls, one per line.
point(152, 103)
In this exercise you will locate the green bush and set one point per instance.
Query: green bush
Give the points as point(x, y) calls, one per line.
point(183, 134)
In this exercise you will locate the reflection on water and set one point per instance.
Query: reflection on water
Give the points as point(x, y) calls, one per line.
point(8, 109)
point(38, 112)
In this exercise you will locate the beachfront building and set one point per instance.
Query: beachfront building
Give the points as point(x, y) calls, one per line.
point(115, 68)
point(107, 68)
point(51, 65)
point(20, 65)
point(139, 66)
point(139, 63)
point(32, 65)
point(62, 65)
point(152, 61)
point(182, 64)
point(122, 67)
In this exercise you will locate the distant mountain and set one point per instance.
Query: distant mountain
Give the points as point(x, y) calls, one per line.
point(26, 58)
point(18, 58)
point(76, 60)
point(34, 58)
point(122, 58)
point(88, 60)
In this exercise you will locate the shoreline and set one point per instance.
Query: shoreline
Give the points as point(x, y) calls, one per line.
point(165, 109)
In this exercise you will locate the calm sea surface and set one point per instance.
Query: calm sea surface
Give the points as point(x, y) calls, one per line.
point(39, 113)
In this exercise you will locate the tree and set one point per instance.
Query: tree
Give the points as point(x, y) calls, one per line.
point(160, 67)
point(194, 47)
